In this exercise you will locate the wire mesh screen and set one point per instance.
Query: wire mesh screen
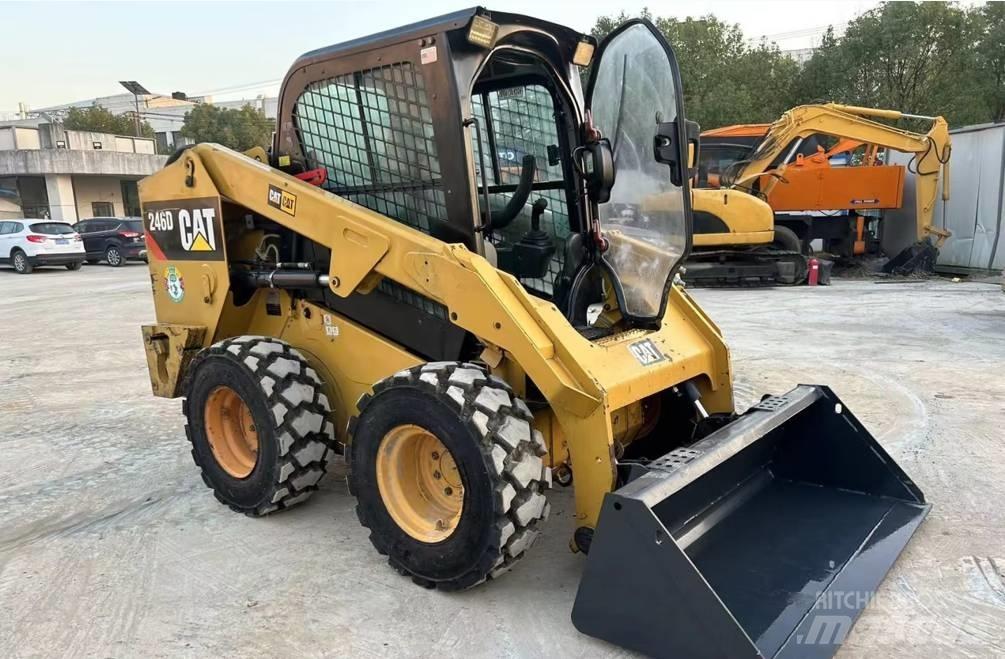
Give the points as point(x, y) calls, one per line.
point(372, 130)
point(523, 123)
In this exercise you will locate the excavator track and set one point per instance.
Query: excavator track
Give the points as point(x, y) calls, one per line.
point(745, 268)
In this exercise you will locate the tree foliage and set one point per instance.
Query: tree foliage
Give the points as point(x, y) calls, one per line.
point(725, 80)
point(901, 55)
point(990, 55)
point(100, 120)
point(236, 129)
point(930, 58)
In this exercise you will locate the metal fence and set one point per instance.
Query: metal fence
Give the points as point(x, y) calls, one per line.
point(974, 213)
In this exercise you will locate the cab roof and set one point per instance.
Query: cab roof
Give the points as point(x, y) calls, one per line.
point(453, 22)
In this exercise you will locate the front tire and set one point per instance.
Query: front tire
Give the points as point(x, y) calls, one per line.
point(428, 432)
point(113, 255)
point(259, 425)
point(21, 264)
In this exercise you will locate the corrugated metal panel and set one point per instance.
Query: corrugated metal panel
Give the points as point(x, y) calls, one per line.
point(974, 212)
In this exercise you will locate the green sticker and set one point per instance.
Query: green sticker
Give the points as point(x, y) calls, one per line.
point(174, 284)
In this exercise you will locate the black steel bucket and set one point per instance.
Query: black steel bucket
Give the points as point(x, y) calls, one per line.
point(765, 539)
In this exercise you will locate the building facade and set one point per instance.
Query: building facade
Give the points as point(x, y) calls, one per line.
point(165, 114)
point(49, 172)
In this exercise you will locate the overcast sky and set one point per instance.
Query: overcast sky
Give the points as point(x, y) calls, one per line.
point(52, 53)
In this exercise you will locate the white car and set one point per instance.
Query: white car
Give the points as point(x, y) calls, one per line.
point(26, 244)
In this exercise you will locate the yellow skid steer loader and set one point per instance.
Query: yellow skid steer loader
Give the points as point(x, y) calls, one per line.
point(450, 269)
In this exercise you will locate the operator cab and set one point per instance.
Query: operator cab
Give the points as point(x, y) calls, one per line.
point(474, 128)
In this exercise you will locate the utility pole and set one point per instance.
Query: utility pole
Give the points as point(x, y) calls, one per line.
point(135, 89)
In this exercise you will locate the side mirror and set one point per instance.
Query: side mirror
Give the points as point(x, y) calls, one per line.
point(666, 149)
point(595, 163)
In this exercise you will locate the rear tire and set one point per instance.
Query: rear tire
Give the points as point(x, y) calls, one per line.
point(76, 265)
point(113, 255)
point(497, 455)
point(259, 425)
point(21, 264)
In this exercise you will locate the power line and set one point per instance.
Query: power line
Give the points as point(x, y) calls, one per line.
point(803, 32)
point(234, 88)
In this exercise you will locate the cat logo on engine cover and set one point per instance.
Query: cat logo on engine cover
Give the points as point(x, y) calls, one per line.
point(646, 352)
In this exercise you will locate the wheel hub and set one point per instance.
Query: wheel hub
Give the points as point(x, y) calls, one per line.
point(231, 432)
point(419, 483)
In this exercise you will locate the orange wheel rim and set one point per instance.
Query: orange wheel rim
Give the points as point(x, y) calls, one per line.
point(419, 483)
point(231, 431)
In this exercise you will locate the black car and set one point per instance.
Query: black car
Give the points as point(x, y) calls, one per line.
point(112, 239)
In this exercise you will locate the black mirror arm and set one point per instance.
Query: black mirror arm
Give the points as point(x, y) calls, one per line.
point(666, 148)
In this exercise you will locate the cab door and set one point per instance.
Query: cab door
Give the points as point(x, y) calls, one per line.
point(635, 98)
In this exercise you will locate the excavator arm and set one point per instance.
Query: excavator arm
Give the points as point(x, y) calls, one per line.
point(931, 151)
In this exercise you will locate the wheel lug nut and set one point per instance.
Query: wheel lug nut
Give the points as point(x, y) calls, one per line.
point(448, 491)
point(436, 455)
point(437, 475)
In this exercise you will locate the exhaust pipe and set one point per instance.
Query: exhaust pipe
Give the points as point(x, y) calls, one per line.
point(765, 539)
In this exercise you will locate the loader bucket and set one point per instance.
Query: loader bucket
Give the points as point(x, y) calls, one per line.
point(767, 538)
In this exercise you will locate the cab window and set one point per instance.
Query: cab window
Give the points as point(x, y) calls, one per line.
point(515, 123)
point(373, 131)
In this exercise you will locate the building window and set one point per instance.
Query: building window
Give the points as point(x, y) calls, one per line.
point(130, 199)
point(102, 209)
point(373, 131)
point(23, 196)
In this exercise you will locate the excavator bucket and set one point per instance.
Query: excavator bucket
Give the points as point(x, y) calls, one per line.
point(767, 538)
point(916, 259)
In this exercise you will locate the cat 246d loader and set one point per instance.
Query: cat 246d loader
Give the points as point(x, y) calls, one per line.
point(446, 268)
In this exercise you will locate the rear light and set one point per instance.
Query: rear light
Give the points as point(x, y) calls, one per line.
point(77, 238)
point(36, 239)
point(129, 234)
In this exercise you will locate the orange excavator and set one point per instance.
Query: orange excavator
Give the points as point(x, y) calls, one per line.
point(822, 170)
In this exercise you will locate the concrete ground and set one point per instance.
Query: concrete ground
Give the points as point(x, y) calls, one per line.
point(110, 545)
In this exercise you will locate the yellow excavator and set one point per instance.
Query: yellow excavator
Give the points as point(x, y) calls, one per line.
point(449, 270)
point(821, 171)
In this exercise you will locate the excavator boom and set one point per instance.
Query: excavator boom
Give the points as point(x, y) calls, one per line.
point(809, 199)
point(931, 150)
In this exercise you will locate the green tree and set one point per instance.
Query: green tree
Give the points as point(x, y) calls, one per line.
point(916, 57)
point(990, 54)
point(725, 79)
point(236, 129)
point(100, 120)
